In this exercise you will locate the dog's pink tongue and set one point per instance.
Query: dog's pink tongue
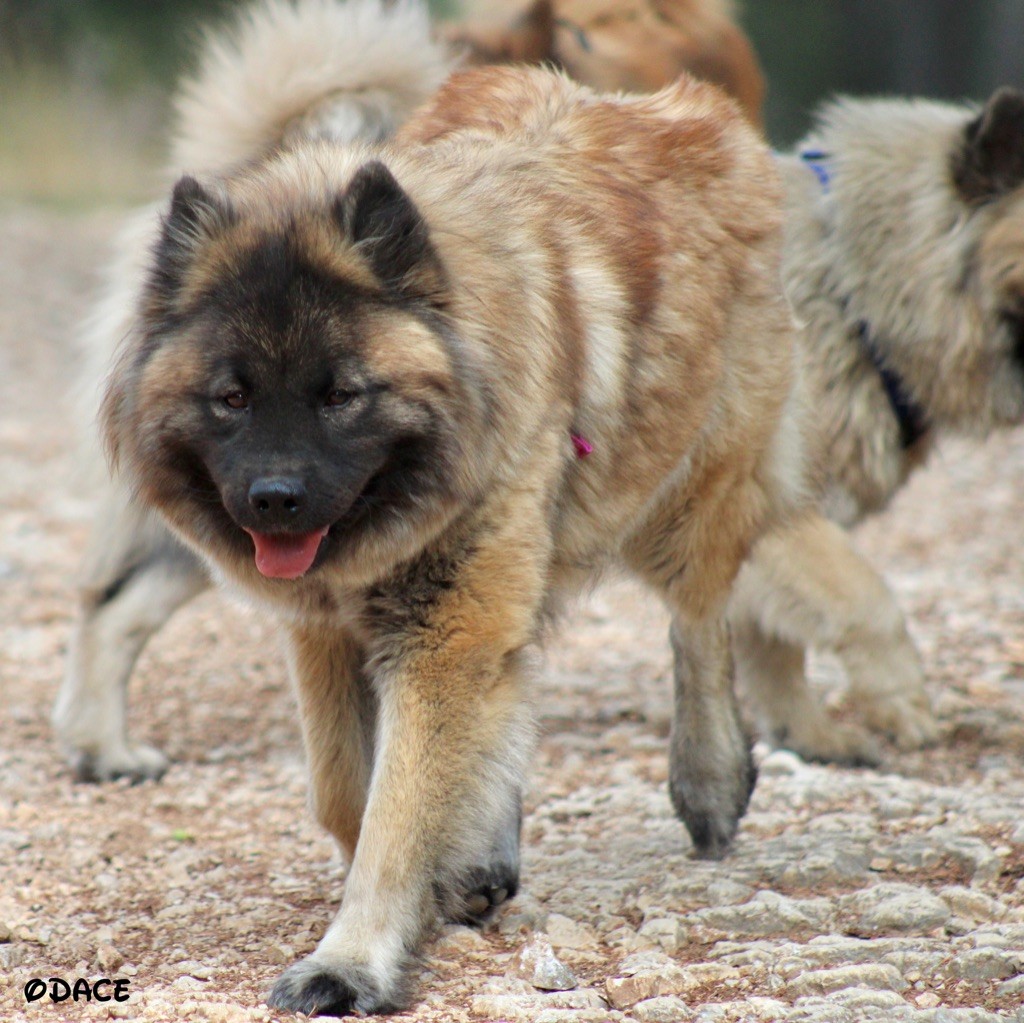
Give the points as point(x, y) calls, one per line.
point(286, 555)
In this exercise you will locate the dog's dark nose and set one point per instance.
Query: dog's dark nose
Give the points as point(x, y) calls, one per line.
point(277, 500)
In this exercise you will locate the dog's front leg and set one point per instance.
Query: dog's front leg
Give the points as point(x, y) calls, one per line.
point(337, 708)
point(440, 828)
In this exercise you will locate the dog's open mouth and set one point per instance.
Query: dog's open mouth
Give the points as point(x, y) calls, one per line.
point(286, 555)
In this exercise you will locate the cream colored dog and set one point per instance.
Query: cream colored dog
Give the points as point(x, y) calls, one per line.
point(904, 263)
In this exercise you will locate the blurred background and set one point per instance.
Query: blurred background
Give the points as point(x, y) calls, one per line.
point(84, 84)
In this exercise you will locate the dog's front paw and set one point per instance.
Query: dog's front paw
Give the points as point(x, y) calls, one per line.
point(136, 762)
point(470, 894)
point(322, 989)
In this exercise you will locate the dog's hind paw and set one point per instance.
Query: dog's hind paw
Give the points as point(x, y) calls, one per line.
point(838, 743)
point(473, 897)
point(711, 808)
point(136, 762)
point(319, 989)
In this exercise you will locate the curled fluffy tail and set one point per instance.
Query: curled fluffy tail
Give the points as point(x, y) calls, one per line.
point(289, 69)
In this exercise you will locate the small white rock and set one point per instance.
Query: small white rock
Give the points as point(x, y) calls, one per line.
point(456, 938)
point(663, 1009)
point(781, 762)
point(108, 959)
point(536, 963)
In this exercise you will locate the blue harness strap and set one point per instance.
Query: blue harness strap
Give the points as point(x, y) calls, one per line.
point(817, 160)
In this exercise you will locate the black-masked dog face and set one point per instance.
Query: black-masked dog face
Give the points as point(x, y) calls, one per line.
point(292, 391)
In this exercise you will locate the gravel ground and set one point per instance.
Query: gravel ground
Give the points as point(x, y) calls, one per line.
point(851, 894)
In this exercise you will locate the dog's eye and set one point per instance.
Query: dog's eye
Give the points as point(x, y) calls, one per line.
point(236, 400)
point(339, 398)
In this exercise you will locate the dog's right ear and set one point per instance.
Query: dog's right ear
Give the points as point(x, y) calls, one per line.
point(991, 160)
point(197, 214)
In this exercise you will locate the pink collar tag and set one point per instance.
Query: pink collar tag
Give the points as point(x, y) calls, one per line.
point(582, 445)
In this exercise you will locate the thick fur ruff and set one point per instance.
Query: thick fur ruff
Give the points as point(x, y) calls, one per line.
point(352, 387)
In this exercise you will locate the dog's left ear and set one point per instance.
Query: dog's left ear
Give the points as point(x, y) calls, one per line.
point(386, 227)
point(991, 160)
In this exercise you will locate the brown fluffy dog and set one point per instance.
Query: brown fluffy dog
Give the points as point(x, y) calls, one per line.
point(283, 72)
point(406, 398)
point(622, 45)
point(905, 265)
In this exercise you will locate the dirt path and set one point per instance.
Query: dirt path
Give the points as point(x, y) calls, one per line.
point(851, 895)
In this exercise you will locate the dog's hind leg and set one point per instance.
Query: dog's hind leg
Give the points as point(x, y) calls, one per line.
point(137, 575)
point(690, 555)
point(805, 586)
point(711, 771)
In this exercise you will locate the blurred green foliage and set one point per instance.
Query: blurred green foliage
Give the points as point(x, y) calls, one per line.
point(942, 49)
point(111, 42)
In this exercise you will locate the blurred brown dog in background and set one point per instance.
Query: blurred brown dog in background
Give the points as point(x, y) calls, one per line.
point(619, 45)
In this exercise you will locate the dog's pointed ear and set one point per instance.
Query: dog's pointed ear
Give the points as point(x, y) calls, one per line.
point(990, 162)
point(385, 226)
point(196, 214)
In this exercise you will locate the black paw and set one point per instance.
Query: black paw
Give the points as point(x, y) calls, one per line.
point(322, 991)
point(711, 808)
point(473, 897)
point(469, 895)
